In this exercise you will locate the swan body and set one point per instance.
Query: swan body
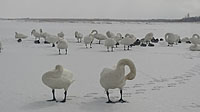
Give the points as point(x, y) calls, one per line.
point(109, 43)
point(78, 36)
point(116, 78)
point(35, 34)
point(20, 36)
point(52, 39)
point(88, 40)
point(98, 36)
point(148, 37)
point(170, 38)
point(194, 47)
point(195, 39)
point(110, 34)
point(59, 78)
point(62, 44)
point(128, 40)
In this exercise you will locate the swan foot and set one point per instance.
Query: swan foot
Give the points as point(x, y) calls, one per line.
point(122, 101)
point(53, 45)
point(51, 100)
point(19, 40)
point(63, 101)
point(45, 42)
point(109, 101)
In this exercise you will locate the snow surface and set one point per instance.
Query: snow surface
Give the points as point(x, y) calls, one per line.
point(167, 78)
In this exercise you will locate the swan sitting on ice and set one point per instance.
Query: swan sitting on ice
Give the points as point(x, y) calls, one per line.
point(127, 41)
point(88, 40)
point(20, 36)
point(36, 35)
point(195, 40)
point(116, 78)
point(109, 43)
point(98, 36)
point(62, 44)
point(78, 36)
point(59, 78)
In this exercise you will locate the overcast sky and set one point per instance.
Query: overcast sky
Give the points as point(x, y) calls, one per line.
point(113, 9)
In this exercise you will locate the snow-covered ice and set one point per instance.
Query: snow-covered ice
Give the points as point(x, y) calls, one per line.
point(167, 78)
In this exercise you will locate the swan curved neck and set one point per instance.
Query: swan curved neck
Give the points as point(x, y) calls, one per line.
point(122, 63)
point(94, 31)
point(196, 35)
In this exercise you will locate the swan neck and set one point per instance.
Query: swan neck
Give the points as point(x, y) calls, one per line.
point(122, 63)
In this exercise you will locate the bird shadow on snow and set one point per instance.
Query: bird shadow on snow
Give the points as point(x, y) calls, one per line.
point(38, 105)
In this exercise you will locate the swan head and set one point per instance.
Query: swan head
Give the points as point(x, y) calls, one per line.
point(32, 31)
point(59, 68)
point(94, 31)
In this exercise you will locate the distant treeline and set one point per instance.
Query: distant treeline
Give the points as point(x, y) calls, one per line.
point(73, 20)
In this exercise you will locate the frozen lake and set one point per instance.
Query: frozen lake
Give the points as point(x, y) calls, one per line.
point(167, 78)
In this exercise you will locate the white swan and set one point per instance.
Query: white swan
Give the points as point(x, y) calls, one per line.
point(195, 40)
point(88, 40)
point(148, 37)
point(52, 39)
point(20, 36)
point(116, 78)
point(110, 34)
point(44, 36)
point(170, 38)
point(109, 43)
point(127, 41)
point(78, 36)
point(117, 38)
point(59, 78)
point(61, 35)
point(98, 36)
point(62, 44)
point(36, 35)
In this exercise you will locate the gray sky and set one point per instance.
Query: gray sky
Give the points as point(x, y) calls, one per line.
point(119, 9)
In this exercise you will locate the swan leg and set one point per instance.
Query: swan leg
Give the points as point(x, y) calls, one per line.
point(90, 45)
point(59, 51)
point(128, 48)
point(64, 100)
point(99, 42)
point(54, 98)
point(53, 45)
point(109, 101)
point(124, 47)
point(66, 51)
point(112, 49)
point(108, 49)
point(121, 100)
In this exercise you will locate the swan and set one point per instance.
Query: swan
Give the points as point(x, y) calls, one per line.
point(36, 35)
point(88, 40)
point(117, 38)
point(186, 40)
point(128, 40)
point(44, 36)
point(109, 43)
point(98, 36)
point(62, 44)
point(52, 39)
point(109, 34)
point(61, 35)
point(20, 36)
point(116, 78)
point(170, 38)
point(59, 78)
point(148, 37)
point(195, 40)
point(78, 36)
